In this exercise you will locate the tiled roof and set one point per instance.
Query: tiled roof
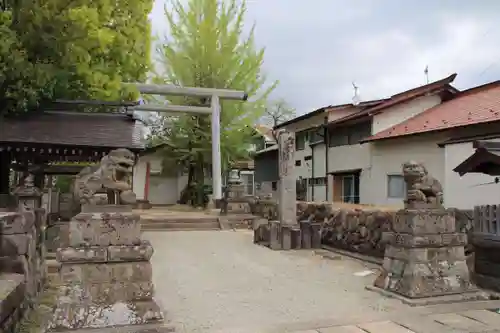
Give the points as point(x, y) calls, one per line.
point(266, 132)
point(328, 109)
point(107, 130)
point(477, 105)
point(401, 98)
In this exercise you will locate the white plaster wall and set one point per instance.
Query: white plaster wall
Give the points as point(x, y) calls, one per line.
point(139, 177)
point(319, 171)
point(388, 158)
point(162, 190)
point(402, 112)
point(466, 192)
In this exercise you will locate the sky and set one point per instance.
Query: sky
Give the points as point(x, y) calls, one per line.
point(317, 48)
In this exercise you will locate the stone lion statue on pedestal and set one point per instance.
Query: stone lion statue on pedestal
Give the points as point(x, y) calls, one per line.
point(422, 190)
point(113, 175)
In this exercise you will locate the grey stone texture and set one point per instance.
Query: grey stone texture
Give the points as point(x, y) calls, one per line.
point(22, 259)
point(363, 230)
point(424, 256)
point(288, 182)
point(106, 274)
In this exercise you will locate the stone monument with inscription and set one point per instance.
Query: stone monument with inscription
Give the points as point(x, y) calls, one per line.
point(105, 271)
point(285, 233)
point(424, 259)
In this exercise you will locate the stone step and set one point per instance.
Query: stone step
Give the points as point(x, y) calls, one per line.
point(179, 220)
point(180, 226)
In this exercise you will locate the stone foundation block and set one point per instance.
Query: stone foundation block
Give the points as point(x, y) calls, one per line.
point(82, 254)
point(85, 315)
point(104, 229)
point(316, 235)
point(275, 235)
point(142, 252)
point(296, 238)
point(100, 273)
point(424, 222)
point(286, 238)
point(421, 262)
point(109, 293)
point(305, 232)
point(430, 240)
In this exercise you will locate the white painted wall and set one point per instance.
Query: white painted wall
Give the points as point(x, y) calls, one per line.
point(163, 190)
point(371, 161)
point(319, 171)
point(402, 112)
point(139, 177)
point(388, 158)
point(464, 192)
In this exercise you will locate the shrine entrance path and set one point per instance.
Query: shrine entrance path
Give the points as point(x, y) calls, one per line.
point(219, 281)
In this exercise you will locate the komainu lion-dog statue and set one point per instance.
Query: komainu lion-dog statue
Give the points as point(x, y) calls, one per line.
point(112, 175)
point(422, 190)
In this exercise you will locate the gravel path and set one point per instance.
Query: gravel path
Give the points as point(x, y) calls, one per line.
point(219, 281)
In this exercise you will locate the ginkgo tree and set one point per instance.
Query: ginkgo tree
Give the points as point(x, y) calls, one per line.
point(206, 47)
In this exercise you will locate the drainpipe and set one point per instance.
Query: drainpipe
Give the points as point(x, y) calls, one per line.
point(327, 144)
point(312, 173)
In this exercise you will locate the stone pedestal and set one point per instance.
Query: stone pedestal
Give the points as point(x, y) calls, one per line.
point(105, 274)
point(424, 260)
point(236, 203)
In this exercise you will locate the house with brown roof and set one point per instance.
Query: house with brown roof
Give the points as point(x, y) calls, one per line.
point(434, 124)
point(441, 137)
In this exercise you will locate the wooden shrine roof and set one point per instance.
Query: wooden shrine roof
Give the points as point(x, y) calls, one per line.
point(71, 133)
point(485, 160)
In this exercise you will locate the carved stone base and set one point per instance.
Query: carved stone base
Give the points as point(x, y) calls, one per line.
point(105, 273)
point(425, 257)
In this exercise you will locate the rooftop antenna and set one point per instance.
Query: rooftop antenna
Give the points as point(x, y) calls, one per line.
point(426, 72)
point(355, 99)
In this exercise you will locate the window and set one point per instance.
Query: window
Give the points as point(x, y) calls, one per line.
point(349, 135)
point(247, 179)
point(300, 140)
point(317, 181)
point(350, 188)
point(359, 132)
point(316, 135)
point(338, 137)
point(298, 163)
point(396, 186)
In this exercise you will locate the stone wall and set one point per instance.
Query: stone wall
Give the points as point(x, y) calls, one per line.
point(350, 227)
point(22, 266)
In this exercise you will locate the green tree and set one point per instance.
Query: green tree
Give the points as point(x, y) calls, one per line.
point(206, 47)
point(277, 112)
point(71, 49)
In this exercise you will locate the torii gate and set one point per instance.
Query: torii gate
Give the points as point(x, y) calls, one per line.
point(215, 95)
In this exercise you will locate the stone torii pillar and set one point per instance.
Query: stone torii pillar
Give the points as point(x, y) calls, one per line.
point(215, 95)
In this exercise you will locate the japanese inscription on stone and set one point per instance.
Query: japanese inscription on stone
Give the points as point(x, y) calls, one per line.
point(287, 181)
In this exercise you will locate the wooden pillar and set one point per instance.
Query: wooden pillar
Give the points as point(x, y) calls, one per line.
point(5, 161)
